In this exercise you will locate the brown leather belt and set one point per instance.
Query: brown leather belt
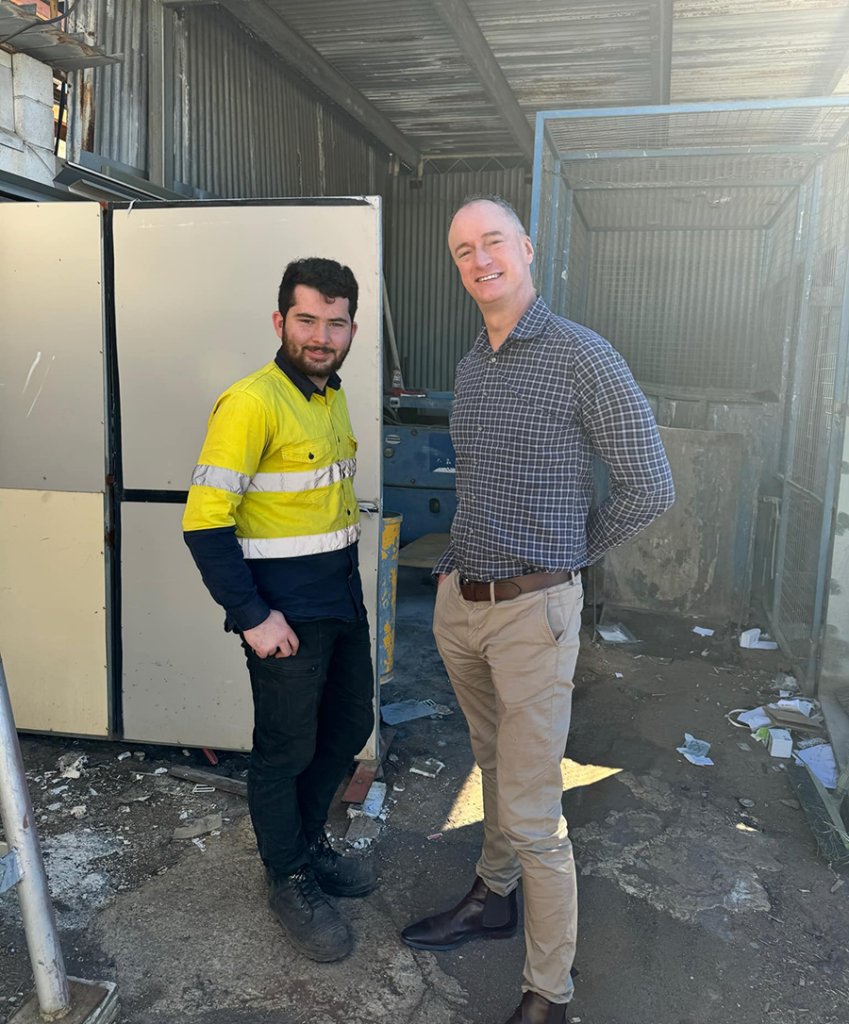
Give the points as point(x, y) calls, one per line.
point(506, 590)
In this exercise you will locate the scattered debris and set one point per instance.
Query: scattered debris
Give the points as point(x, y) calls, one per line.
point(744, 746)
point(57, 790)
point(134, 795)
point(409, 710)
point(199, 826)
point(436, 835)
point(362, 832)
point(373, 803)
point(836, 886)
point(160, 771)
point(619, 675)
point(54, 807)
point(695, 750)
point(203, 789)
point(79, 811)
point(222, 782)
point(124, 756)
point(820, 759)
point(398, 787)
point(753, 720)
point(71, 766)
point(427, 766)
point(702, 631)
point(744, 801)
point(139, 755)
point(200, 844)
point(755, 640)
point(616, 633)
point(792, 804)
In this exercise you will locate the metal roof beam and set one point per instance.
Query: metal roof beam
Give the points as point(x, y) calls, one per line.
point(294, 50)
point(472, 42)
point(660, 13)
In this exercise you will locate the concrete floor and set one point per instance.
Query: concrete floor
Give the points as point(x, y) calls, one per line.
point(692, 909)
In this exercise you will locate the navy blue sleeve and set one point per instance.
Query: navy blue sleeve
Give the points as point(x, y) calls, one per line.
point(218, 556)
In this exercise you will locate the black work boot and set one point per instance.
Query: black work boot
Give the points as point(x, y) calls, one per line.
point(313, 926)
point(481, 914)
point(536, 1009)
point(338, 875)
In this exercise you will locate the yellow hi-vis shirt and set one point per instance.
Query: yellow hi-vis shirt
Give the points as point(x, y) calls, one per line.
point(278, 467)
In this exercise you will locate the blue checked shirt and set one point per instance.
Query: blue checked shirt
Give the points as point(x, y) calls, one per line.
point(526, 424)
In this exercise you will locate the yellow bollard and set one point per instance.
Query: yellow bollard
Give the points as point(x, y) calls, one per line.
point(387, 586)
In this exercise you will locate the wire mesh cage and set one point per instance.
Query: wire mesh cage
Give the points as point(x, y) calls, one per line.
point(708, 244)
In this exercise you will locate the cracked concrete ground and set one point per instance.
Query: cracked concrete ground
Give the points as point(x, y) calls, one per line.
point(693, 910)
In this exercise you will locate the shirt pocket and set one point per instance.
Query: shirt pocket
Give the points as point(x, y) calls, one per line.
point(305, 455)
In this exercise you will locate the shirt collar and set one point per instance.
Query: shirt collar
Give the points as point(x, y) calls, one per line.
point(529, 326)
point(301, 381)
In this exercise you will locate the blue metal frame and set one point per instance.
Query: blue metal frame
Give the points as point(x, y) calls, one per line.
point(691, 108)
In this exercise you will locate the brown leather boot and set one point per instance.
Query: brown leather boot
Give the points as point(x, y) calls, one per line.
point(479, 915)
point(535, 1009)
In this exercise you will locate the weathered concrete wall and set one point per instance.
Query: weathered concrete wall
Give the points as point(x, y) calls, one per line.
point(686, 562)
point(26, 118)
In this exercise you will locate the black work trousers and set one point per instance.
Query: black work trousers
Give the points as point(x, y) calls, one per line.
point(313, 713)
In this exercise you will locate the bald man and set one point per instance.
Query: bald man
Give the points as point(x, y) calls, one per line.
point(536, 400)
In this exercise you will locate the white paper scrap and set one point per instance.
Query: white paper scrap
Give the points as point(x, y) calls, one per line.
point(820, 760)
point(702, 631)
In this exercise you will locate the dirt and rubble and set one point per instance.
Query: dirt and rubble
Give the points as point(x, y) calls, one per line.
point(703, 896)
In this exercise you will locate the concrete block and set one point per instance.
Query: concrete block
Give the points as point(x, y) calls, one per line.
point(7, 100)
point(13, 161)
point(34, 122)
point(40, 164)
point(11, 141)
point(32, 78)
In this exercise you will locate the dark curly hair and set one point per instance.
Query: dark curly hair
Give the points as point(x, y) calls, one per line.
point(328, 277)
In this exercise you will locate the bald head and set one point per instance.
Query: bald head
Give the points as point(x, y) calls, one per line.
point(493, 253)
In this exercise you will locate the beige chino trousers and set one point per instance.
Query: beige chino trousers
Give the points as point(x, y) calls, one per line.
point(512, 664)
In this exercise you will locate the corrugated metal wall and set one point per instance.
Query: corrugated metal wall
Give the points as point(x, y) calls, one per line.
point(435, 320)
point(681, 306)
point(243, 126)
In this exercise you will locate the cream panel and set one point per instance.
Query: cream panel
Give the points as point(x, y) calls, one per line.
point(52, 610)
point(51, 347)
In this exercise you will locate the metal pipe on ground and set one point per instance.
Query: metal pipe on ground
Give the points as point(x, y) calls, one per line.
point(56, 997)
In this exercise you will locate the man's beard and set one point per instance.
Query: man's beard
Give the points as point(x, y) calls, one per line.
point(303, 361)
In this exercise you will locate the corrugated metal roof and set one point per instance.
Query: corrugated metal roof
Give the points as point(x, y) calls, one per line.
point(578, 54)
point(755, 49)
point(401, 56)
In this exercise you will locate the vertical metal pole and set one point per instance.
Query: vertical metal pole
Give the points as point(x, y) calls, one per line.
point(553, 229)
point(45, 952)
point(795, 397)
point(568, 202)
point(536, 197)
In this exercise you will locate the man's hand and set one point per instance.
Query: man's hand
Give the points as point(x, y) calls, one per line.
point(440, 579)
point(274, 636)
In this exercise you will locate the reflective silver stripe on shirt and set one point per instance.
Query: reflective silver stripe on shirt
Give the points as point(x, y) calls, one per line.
point(304, 480)
point(294, 547)
point(223, 479)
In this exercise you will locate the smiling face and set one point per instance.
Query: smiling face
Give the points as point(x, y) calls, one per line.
point(316, 333)
point(493, 255)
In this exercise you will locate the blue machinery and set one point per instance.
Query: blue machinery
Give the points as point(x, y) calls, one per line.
point(418, 463)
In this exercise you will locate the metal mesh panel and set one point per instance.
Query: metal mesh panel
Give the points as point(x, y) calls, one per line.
point(666, 208)
point(699, 129)
point(679, 305)
point(639, 172)
point(801, 573)
point(782, 281)
point(822, 329)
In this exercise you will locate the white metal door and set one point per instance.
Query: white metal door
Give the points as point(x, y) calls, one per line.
point(195, 287)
